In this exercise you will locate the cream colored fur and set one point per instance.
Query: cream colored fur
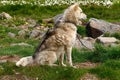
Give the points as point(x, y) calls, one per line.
point(60, 43)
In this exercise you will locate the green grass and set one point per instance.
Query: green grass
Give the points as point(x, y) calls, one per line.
point(110, 70)
point(109, 57)
point(40, 12)
point(17, 50)
point(116, 35)
point(44, 72)
point(100, 54)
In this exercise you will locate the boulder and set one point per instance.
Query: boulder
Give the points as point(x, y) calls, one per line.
point(4, 15)
point(22, 33)
point(108, 41)
point(57, 18)
point(31, 22)
point(96, 28)
point(49, 20)
point(11, 35)
point(85, 42)
point(24, 27)
point(34, 33)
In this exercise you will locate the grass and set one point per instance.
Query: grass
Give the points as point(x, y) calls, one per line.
point(44, 72)
point(109, 57)
point(109, 70)
point(40, 12)
point(100, 54)
point(116, 35)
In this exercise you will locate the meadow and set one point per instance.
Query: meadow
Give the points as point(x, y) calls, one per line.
point(108, 58)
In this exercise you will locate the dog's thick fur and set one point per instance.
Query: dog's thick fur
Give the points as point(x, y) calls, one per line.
point(60, 42)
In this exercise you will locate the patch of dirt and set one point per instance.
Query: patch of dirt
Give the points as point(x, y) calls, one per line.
point(9, 58)
point(89, 76)
point(86, 65)
point(16, 77)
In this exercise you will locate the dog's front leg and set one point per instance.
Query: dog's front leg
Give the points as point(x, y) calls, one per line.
point(61, 61)
point(68, 51)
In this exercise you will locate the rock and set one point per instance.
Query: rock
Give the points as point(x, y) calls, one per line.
point(40, 27)
point(107, 41)
point(11, 35)
point(49, 20)
point(31, 22)
point(21, 44)
point(96, 28)
point(24, 27)
point(4, 15)
point(86, 42)
point(22, 33)
point(57, 18)
point(34, 33)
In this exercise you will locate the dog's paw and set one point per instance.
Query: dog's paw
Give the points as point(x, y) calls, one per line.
point(24, 61)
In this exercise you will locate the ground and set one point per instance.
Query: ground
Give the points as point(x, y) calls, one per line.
point(101, 64)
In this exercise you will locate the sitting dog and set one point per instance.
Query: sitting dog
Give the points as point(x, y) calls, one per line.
point(59, 41)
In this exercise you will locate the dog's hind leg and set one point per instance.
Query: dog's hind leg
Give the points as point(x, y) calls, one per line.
point(46, 58)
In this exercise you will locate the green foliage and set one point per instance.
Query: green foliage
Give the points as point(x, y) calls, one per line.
point(45, 72)
point(80, 56)
point(116, 35)
point(18, 50)
point(101, 12)
point(4, 31)
point(36, 12)
point(81, 30)
point(109, 70)
point(100, 54)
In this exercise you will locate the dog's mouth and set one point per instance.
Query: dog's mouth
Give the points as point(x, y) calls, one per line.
point(83, 22)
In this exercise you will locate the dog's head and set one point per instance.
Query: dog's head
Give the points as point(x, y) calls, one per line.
point(74, 14)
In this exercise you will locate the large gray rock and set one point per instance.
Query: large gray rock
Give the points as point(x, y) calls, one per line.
point(108, 41)
point(4, 15)
point(96, 27)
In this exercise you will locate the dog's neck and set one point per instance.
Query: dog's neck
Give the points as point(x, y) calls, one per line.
point(70, 22)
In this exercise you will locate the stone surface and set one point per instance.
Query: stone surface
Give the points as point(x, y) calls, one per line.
point(11, 35)
point(23, 27)
point(21, 44)
point(105, 40)
point(96, 27)
point(34, 33)
point(21, 33)
point(49, 20)
point(57, 18)
point(108, 41)
point(85, 42)
point(31, 22)
point(5, 15)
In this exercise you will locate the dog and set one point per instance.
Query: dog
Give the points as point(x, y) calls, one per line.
point(59, 42)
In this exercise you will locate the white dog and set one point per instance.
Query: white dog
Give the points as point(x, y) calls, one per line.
point(59, 41)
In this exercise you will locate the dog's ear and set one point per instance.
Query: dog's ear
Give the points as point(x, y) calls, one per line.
point(75, 6)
